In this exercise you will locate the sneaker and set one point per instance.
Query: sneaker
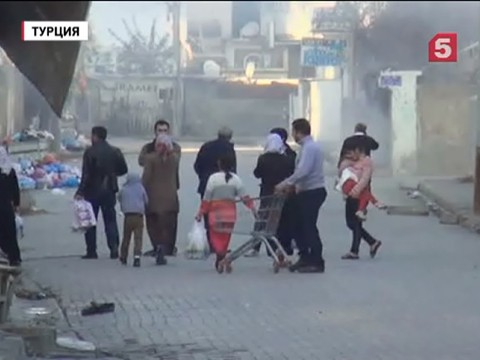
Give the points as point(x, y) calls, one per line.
point(123, 261)
point(90, 256)
point(301, 262)
point(136, 261)
point(361, 215)
point(252, 253)
point(374, 248)
point(350, 256)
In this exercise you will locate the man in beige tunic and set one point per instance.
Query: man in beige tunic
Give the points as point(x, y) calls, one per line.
point(161, 127)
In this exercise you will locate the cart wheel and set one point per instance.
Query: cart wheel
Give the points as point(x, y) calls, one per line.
point(228, 267)
point(276, 267)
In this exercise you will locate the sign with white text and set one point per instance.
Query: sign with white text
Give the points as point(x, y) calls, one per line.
point(54, 30)
point(322, 52)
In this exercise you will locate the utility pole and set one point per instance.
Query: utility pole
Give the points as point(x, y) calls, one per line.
point(175, 8)
point(476, 191)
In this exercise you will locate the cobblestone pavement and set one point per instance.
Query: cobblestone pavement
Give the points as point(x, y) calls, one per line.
point(418, 300)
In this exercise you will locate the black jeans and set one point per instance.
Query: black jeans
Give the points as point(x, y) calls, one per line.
point(8, 233)
point(106, 203)
point(356, 226)
point(309, 243)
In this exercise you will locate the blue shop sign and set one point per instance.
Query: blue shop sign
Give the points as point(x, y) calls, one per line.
point(390, 81)
point(321, 52)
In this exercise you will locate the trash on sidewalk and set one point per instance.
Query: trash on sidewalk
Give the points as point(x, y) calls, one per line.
point(19, 225)
point(414, 194)
point(30, 294)
point(75, 344)
point(58, 192)
point(38, 311)
point(48, 173)
point(98, 308)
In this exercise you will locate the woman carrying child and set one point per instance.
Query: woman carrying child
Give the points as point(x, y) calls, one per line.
point(219, 203)
point(355, 173)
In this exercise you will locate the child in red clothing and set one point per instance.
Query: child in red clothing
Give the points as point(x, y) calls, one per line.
point(355, 171)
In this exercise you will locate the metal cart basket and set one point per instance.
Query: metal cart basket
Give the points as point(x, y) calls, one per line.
point(261, 227)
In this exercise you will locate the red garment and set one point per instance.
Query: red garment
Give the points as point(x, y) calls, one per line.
point(222, 215)
point(365, 197)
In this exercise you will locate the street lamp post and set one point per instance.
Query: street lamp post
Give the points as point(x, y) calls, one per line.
point(175, 8)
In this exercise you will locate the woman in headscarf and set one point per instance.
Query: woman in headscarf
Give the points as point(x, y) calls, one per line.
point(160, 182)
point(274, 166)
point(9, 203)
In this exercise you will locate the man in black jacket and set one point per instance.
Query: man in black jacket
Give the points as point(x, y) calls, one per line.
point(160, 127)
point(206, 162)
point(102, 165)
point(359, 140)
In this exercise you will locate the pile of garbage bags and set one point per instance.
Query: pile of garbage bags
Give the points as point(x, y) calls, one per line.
point(73, 141)
point(31, 134)
point(47, 173)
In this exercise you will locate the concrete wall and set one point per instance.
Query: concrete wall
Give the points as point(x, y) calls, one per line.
point(130, 105)
point(326, 110)
point(447, 132)
point(207, 107)
point(11, 100)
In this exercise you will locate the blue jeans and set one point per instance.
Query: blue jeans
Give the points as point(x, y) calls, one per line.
point(105, 201)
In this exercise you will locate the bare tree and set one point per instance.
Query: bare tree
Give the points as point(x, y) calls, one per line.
point(146, 55)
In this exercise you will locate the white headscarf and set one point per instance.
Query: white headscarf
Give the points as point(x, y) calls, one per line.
point(165, 140)
point(6, 164)
point(274, 144)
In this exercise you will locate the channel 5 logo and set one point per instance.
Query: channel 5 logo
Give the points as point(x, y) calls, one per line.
point(443, 47)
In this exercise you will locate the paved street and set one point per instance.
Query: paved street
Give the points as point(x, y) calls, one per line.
point(417, 300)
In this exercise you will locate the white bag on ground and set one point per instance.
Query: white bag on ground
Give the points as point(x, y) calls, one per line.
point(19, 225)
point(83, 215)
point(198, 247)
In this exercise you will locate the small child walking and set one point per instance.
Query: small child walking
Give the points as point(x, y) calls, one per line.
point(355, 168)
point(133, 200)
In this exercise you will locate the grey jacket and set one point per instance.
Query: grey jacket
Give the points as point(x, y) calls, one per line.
point(133, 197)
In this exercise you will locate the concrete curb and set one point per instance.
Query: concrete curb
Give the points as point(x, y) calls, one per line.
point(449, 213)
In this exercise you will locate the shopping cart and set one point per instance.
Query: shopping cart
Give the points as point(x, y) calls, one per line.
point(262, 227)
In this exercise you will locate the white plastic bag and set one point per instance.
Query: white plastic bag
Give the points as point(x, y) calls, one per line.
point(83, 215)
point(198, 247)
point(19, 225)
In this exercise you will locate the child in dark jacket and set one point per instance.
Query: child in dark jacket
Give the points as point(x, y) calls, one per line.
point(133, 200)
